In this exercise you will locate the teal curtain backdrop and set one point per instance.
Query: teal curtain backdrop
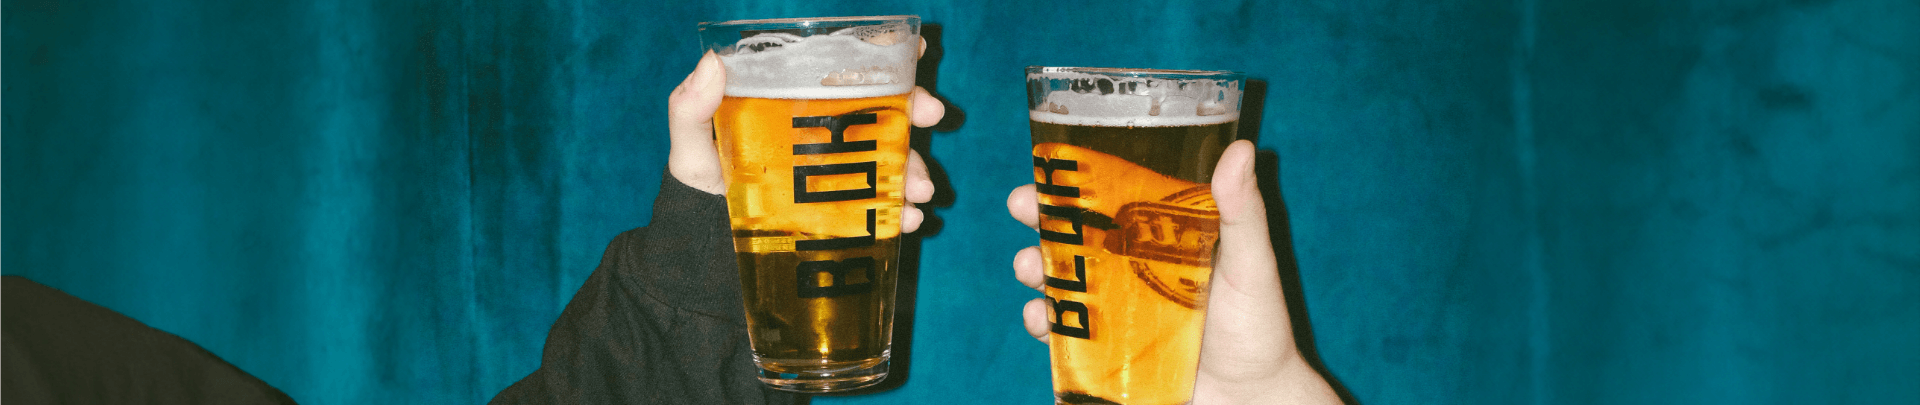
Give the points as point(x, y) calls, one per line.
point(1516, 202)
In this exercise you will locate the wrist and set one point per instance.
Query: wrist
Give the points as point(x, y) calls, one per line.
point(1293, 382)
point(703, 176)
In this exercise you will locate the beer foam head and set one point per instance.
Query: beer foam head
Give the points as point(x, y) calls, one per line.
point(1132, 98)
point(853, 62)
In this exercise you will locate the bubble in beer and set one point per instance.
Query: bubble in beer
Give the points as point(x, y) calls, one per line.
point(760, 43)
point(870, 75)
point(1174, 106)
point(1212, 108)
point(882, 35)
point(1095, 105)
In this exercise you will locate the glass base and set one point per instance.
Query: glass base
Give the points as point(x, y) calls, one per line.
point(823, 378)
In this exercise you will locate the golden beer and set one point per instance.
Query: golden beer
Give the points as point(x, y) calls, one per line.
point(1128, 227)
point(812, 137)
point(837, 317)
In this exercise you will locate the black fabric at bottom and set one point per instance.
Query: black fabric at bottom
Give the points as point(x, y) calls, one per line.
point(658, 322)
point(59, 349)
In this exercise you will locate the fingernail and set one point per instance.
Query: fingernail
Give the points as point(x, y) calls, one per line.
point(707, 60)
point(703, 73)
point(1248, 166)
point(1247, 177)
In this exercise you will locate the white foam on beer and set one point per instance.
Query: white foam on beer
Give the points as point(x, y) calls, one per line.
point(1141, 121)
point(795, 67)
point(1152, 102)
point(1127, 110)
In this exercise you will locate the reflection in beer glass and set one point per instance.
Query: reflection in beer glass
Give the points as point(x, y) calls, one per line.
point(812, 135)
point(1122, 162)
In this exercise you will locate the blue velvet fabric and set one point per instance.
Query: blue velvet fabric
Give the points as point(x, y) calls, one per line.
point(1539, 202)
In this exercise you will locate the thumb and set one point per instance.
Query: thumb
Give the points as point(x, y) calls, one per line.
point(1245, 253)
point(1243, 214)
point(692, 158)
point(1247, 329)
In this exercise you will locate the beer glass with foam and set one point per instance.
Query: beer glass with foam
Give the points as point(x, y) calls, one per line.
point(812, 135)
point(1122, 163)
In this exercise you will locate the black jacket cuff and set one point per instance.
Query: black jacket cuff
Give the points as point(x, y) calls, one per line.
point(691, 249)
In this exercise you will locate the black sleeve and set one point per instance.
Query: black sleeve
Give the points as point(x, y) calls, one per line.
point(659, 322)
point(59, 349)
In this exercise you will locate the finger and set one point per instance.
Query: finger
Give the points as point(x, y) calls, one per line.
point(1246, 252)
point(1024, 208)
point(910, 218)
point(1034, 316)
point(1247, 327)
point(923, 48)
point(692, 158)
point(923, 109)
point(1027, 267)
point(919, 185)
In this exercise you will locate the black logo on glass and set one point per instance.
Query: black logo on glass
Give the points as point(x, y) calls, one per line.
point(834, 278)
point(1078, 218)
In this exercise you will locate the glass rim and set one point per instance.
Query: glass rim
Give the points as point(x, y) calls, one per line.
point(1138, 72)
point(803, 21)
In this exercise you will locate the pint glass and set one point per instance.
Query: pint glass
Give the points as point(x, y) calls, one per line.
point(1123, 160)
point(812, 135)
